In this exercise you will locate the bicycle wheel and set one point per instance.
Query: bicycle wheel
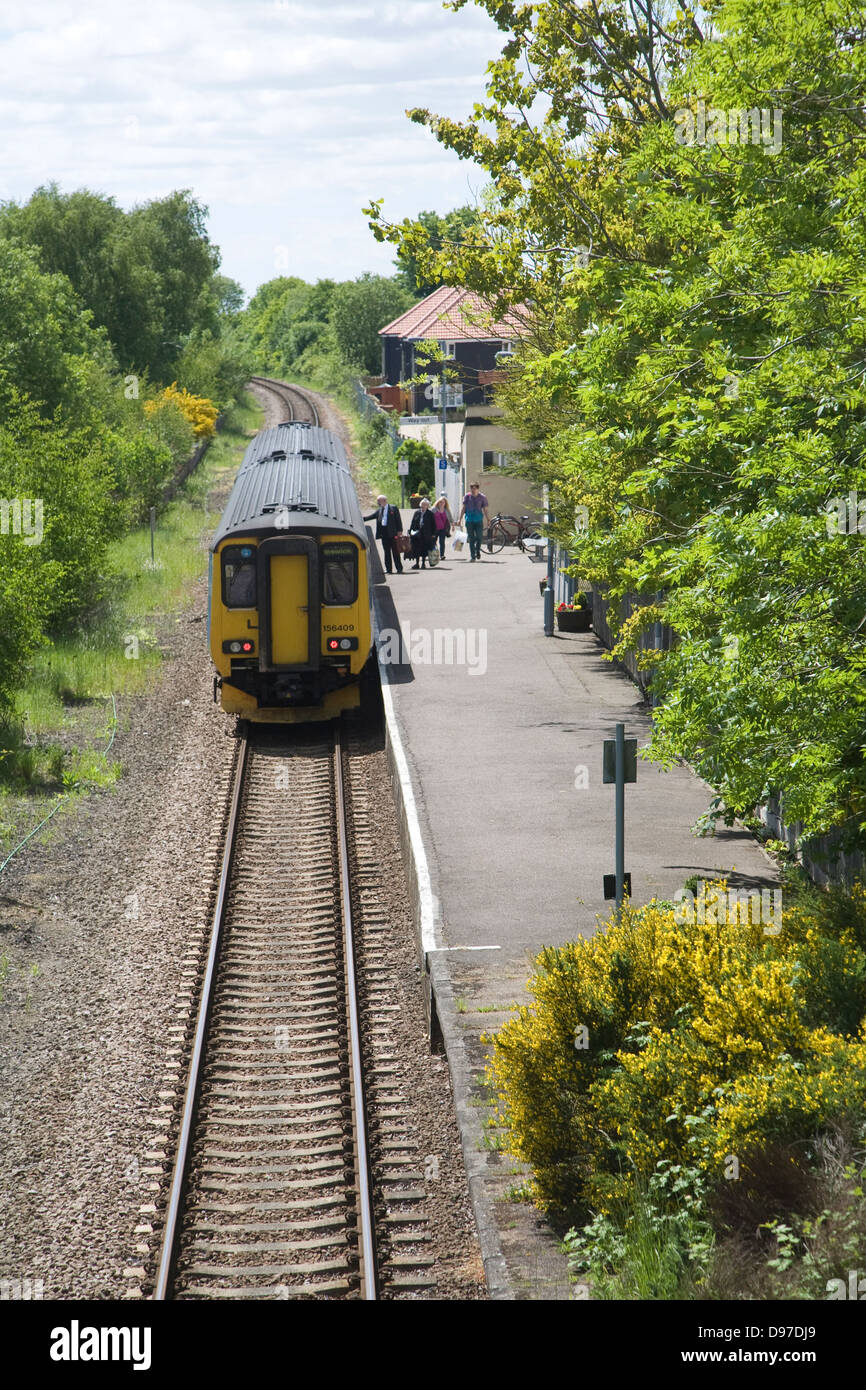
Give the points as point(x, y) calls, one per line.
point(496, 538)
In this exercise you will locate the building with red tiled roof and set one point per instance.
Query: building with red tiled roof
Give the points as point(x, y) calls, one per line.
point(466, 329)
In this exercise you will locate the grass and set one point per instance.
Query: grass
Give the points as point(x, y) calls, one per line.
point(59, 738)
point(28, 976)
point(518, 1192)
point(495, 1142)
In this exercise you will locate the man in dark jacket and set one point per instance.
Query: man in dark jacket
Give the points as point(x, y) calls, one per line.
point(389, 525)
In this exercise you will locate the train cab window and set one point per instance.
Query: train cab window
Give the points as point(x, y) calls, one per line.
point(339, 574)
point(239, 576)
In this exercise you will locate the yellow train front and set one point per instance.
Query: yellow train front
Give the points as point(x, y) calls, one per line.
point(290, 616)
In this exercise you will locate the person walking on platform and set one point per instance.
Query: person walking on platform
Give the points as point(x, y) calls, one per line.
point(474, 510)
point(422, 533)
point(443, 521)
point(389, 525)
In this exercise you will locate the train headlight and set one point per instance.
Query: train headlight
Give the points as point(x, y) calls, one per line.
point(246, 646)
point(333, 644)
point(346, 644)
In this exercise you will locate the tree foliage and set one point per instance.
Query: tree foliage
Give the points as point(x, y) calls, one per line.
point(149, 276)
point(359, 309)
point(291, 326)
point(694, 373)
point(441, 233)
point(95, 306)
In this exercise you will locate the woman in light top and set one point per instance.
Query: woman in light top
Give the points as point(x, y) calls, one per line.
point(443, 521)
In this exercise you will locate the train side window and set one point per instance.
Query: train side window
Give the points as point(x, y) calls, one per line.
point(339, 574)
point(239, 576)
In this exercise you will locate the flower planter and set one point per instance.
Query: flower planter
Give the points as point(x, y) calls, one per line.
point(574, 619)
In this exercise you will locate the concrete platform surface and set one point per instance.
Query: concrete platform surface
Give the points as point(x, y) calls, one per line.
point(502, 729)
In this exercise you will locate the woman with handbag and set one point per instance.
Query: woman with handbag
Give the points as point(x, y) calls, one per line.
point(422, 533)
point(443, 521)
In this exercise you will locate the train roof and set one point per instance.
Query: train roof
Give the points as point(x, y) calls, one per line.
point(296, 437)
point(298, 473)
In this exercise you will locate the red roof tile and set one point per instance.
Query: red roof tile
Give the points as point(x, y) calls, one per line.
point(455, 316)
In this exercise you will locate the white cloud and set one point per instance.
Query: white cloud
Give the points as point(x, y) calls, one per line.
point(284, 118)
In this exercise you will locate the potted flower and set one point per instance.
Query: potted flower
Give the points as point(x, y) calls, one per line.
point(575, 616)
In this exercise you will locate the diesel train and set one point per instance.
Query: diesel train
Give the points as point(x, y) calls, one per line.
point(290, 611)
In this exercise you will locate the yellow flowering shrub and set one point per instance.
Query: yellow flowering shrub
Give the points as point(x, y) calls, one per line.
point(662, 1039)
point(797, 1097)
point(198, 410)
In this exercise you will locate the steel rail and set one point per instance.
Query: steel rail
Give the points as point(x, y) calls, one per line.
point(369, 1273)
point(175, 1205)
point(284, 390)
point(175, 1200)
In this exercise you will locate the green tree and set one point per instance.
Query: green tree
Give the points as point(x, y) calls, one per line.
point(147, 276)
point(359, 309)
point(442, 234)
point(692, 370)
point(72, 234)
point(165, 249)
point(228, 296)
point(422, 461)
point(44, 331)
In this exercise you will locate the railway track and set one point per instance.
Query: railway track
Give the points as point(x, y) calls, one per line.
point(299, 405)
point(289, 1181)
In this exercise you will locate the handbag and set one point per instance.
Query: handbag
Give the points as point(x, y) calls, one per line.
point(459, 540)
point(433, 557)
point(402, 544)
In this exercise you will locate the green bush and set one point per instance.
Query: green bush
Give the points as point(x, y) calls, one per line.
point(662, 1040)
point(422, 462)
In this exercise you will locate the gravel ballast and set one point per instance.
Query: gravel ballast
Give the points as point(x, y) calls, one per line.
point(111, 910)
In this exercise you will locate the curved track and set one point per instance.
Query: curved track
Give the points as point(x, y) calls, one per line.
point(296, 403)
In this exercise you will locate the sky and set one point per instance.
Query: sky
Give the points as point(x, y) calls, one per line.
point(285, 119)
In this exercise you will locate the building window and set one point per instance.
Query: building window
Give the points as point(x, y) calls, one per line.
point(493, 461)
point(453, 395)
point(449, 349)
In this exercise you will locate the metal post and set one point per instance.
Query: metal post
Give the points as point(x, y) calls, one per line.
point(402, 491)
point(444, 418)
point(549, 595)
point(620, 815)
point(152, 529)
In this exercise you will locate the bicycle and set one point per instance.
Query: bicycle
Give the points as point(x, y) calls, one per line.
point(510, 530)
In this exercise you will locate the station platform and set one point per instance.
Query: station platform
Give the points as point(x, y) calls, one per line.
point(501, 729)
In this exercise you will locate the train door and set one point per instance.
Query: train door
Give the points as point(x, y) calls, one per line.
point(288, 588)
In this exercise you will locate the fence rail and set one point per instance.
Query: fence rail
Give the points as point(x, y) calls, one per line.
point(822, 856)
point(659, 637)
